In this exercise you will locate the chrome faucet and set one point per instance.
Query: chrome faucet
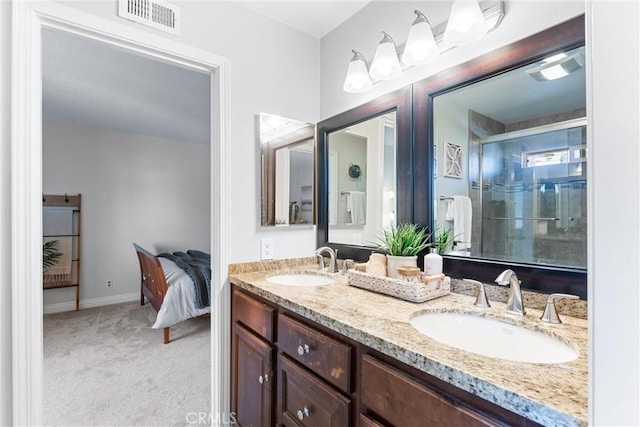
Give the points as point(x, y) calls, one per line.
point(514, 304)
point(332, 267)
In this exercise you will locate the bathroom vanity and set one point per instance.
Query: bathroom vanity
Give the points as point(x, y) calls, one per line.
point(339, 355)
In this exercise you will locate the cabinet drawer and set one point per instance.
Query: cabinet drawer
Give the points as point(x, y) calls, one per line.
point(368, 422)
point(325, 356)
point(402, 401)
point(253, 314)
point(304, 400)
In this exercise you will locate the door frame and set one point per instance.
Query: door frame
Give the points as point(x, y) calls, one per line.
point(28, 21)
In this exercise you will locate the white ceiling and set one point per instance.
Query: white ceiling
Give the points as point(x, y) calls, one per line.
point(91, 84)
point(316, 18)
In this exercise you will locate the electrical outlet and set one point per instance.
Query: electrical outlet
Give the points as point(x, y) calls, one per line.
point(109, 283)
point(266, 248)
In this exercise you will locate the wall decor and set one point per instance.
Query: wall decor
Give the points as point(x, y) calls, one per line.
point(452, 160)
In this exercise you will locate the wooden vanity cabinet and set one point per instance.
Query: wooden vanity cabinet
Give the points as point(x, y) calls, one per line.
point(312, 376)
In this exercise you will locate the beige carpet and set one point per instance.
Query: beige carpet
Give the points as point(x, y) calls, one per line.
point(105, 366)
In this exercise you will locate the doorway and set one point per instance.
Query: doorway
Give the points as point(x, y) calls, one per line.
point(29, 19)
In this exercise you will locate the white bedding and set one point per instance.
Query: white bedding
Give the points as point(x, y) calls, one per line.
point(180, 301)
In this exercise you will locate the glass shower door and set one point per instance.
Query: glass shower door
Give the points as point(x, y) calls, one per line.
point(534, 189)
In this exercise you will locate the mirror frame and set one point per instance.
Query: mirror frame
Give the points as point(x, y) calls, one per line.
point(398, 101)
point(564, 36)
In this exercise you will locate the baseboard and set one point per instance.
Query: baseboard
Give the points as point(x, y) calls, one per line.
point(90, 303)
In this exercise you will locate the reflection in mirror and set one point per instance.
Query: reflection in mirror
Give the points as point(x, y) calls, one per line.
point(510, 164)
point(287, 148)
point(362, 180)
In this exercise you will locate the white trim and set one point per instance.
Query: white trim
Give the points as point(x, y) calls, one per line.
point(29, 18)
point(90, 303)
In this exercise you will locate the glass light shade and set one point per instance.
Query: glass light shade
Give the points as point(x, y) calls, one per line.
point(357, 79)
point(385, 64)
point(466, 23)
point(421, 45)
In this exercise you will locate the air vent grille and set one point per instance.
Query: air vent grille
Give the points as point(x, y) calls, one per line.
point(152, 13)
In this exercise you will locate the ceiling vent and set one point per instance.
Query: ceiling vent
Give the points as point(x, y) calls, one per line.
point(152, 13)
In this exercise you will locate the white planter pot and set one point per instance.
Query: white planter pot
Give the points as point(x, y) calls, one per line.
point(393, 262)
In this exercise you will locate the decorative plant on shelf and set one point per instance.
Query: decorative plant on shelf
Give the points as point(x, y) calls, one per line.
point(50, 254)
point(404, 239)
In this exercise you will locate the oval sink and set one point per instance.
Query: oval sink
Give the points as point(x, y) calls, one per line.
point(301, 279)
point(493, 338)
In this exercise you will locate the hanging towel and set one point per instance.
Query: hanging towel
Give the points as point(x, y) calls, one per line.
point(356, 206)
point(459, 211)
point(57, 224)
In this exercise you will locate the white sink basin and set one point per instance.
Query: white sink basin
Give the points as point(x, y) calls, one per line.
point(301, 279)
point(493, 338)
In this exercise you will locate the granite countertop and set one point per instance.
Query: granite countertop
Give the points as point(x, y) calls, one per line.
point(549, 394)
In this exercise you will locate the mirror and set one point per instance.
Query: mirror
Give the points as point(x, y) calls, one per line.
point(362, 180)
point(287, 157)
point(362, 188)
point(505, 138)
point(510, 165)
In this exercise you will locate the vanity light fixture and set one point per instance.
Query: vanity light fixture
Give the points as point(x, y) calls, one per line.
point(385, 64)
point(424, 43)
point(421, 45)
point(357, 79)
point(466, 23)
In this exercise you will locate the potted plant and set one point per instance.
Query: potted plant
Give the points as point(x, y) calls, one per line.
point(443, 239)
point(403, 242)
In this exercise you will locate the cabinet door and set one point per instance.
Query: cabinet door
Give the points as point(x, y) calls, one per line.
point(251, 379)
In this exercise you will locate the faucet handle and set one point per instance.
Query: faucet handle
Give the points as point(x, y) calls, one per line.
point(550, 314)
point(481, 300)
point(346, 265)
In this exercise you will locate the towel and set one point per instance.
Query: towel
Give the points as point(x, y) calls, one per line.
point(356, 206)
point(61, 271)
point(459, 211)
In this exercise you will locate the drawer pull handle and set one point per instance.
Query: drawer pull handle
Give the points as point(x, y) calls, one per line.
point(302, 349)
point(263, 378)
point(303, 413)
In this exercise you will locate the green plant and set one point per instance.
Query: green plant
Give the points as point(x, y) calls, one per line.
point(443, 239)
point(404, 239)
point(50, 254)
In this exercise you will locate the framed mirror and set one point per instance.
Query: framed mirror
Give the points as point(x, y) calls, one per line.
point(287, 149)
point(362, 188)
point(501, 161)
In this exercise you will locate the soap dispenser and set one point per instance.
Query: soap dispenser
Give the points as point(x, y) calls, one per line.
point(433, 263)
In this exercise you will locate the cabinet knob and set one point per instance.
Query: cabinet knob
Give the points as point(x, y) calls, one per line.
point(263, 378)
point(302, 349)
point(304, 412)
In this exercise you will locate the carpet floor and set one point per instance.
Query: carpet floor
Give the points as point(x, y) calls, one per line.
point(105, 366)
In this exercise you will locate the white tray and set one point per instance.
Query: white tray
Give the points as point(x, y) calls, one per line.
point(406, 290)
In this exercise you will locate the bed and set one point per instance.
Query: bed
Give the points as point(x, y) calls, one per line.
point(169, 289)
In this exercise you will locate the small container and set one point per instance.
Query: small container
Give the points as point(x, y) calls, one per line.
point(433, 263)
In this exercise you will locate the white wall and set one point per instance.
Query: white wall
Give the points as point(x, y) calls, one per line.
point(5, 215)
point(274, 69)
point(613, 109)
point(135, 188)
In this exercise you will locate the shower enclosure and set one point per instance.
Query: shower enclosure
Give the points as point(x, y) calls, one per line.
point(533, 195)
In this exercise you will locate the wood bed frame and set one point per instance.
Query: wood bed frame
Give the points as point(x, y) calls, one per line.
point(153, 285)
